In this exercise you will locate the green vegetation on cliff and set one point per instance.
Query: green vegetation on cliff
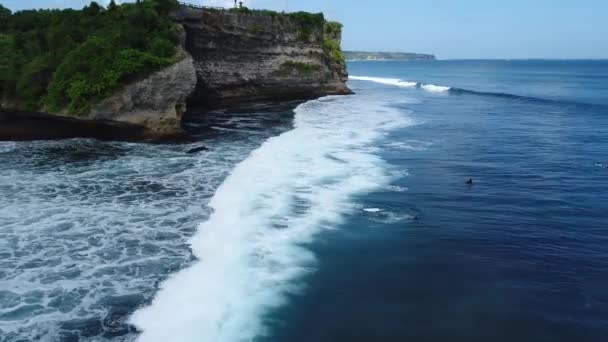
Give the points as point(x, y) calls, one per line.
point(331, 45)
point(301, 68)
point(333, 28)
point(309, 22)
point(329, 32)
point(68, 59)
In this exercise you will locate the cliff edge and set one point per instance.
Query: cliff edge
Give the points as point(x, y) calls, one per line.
point(242, 55)
point(144, 77)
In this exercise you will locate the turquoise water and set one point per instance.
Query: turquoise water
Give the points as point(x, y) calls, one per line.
point(346, 219)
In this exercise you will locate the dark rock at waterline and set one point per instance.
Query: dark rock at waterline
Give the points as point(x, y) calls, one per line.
point(197, 149)
point(16, 125)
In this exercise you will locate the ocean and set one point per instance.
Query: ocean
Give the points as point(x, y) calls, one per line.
point(346, 218)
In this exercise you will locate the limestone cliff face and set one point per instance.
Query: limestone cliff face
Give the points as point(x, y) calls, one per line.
point(149, 108)
point(242, 57)
point(228, 57)
point(157, 102)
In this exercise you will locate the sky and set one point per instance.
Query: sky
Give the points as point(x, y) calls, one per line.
point(450, 29)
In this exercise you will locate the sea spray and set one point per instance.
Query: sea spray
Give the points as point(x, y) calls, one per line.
point(250, 252)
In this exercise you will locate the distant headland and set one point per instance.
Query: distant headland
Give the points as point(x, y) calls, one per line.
point(387, 56)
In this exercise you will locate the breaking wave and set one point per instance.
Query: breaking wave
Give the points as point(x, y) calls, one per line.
point(461, 91)
point(400, 83)
point(389, 81)
point(250, 251)
point(88, 228)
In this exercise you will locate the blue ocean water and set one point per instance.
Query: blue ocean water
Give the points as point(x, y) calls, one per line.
point(521, 255)
point(346, 219)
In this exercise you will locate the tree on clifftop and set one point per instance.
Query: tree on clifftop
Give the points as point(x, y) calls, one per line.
point(5, 14)
point(112, 6)
point(165, 6)
point(93, 9)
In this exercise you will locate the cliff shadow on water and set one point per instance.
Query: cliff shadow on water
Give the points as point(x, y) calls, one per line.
point(202, 123)
point(16, 125)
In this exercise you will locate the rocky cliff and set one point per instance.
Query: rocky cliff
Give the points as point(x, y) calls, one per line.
point(226, 57)
point(156, 102)
point(150, 108)
point(243, 56)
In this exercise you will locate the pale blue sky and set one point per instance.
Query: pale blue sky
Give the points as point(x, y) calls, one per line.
point(448, 28)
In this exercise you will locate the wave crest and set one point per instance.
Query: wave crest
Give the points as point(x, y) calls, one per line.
point(400, 83)
point(250, 251)
point(461, 91)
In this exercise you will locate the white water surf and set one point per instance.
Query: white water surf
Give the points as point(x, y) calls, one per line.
point(388, 81)
point(403, 84)
point(251, 252)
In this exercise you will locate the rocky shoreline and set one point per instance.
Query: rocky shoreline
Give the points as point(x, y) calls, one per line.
point(227, 58)
point(16, 125)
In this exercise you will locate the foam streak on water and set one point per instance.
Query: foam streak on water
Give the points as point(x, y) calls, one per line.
point(252, 251)
point(403, 84)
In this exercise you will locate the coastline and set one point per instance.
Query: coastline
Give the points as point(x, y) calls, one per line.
point(17, 125)
point(227, 58)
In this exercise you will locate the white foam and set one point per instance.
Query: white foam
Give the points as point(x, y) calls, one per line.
point(400, 83)
point(372, 210)
point(389, 81)
point(395, 188)
point(411, 145)
point(250, 251)
point(7, 146)
point(89, 226)
point(434, 88)
point(391, 217)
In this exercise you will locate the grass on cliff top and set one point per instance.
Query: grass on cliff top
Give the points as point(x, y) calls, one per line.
point(306, 18)
point(309, 23)
point(69, 59)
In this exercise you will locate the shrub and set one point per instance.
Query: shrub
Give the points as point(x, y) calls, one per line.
point(241, 9)
point(302, 68)
point(332, 51)
point(332, 28)
point(32, 80)
point(308, 22)
point(5, 15)
point(162, 47)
